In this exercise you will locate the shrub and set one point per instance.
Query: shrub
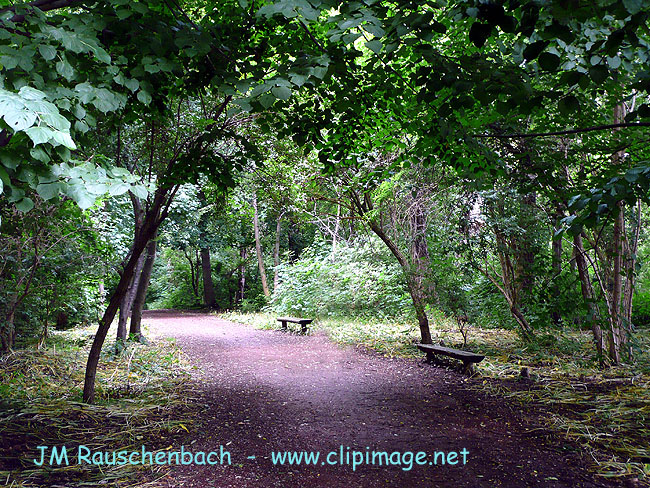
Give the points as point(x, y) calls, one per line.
point(357, 279)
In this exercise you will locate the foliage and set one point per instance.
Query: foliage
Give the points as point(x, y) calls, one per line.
point(52, 261)
point(641, 312)
point(356, 279)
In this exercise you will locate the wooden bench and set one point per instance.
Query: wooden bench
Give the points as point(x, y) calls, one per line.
point(294, 320)
point(468, 358)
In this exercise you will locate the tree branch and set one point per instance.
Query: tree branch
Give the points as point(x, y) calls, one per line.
point(622, 125)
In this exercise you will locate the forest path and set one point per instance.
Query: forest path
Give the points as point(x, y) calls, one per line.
point(267, 391)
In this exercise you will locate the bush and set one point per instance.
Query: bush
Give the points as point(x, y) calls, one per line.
point(355, 280)
point(641, 309)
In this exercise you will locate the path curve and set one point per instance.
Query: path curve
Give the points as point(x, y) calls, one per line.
point(267, 391)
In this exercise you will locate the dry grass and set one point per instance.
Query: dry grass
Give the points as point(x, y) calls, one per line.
point(142, 399)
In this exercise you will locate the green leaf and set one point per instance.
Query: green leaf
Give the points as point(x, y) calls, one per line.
point(267, 100)
point(47, 191)
point(375, 46)
point(533, 50)
point(598, 73)
point(633, 6)
point(39, 154)
point(123, 14)
point(298, 80)
point(118, 189)
point(79, 194)
point(56, 120)
point(25, 205)
point(9, 102)
point(144, 97)
point(479, 33)
point(132, 84)
point(20, 119)
point(118, 172)
point(375, 30)
point(281, 92)
point(65, 69)
point(614, 62)
point(97, 188)
point(140, 191)
point(64, 139)
point(140, 7)
point(548, 61)
point(48, 52)
point(569, 105)
point(102, 55)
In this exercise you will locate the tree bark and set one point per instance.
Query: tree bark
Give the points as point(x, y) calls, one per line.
point(276, 252)
point(413, 285)
point(258, 249)
point(209, 299)
point(193, 273)
point(243, 254)
point(127, 302)
point(135, 329)
point(556, 266)
point(588, 295)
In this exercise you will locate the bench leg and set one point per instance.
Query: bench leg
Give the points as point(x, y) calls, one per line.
point(468, 368)
point(284, 325)
point(429, 357)
point(304, 328)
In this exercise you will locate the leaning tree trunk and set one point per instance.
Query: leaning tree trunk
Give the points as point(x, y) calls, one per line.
point(588, 295)
point(135, 329)
point(127, 303)
point(209, 298)
point(151, 222)
point(258, 249)
point(414, 285)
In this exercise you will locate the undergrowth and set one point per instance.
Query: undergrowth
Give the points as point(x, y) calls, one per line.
point(142, 399)
point(605, 411)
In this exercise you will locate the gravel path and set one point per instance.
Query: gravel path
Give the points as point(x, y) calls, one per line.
point(267, 391)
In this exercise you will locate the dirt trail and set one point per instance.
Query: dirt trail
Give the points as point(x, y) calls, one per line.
point(267, 391)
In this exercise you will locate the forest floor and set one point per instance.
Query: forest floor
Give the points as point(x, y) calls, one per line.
point(261, 391)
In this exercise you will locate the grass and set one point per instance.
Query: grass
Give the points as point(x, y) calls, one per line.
point(142, 399)
point(605, 411)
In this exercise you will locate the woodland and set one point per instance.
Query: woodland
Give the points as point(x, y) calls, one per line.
point(472, 172)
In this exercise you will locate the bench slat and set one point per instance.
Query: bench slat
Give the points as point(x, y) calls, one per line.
point(464, 356)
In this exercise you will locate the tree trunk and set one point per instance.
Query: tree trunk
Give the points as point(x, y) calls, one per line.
point(243, 254)
point(135, 330)
point(588, 295)
point(152, 221)
point(7, 334)
point(337, 226)
point(127, 303)
point(616, 334)
point(194, 271)
point(556, 266)
point(209, 299)
point(414, 286)
point(276, 252)
point(420, 251)
point(258, 249)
